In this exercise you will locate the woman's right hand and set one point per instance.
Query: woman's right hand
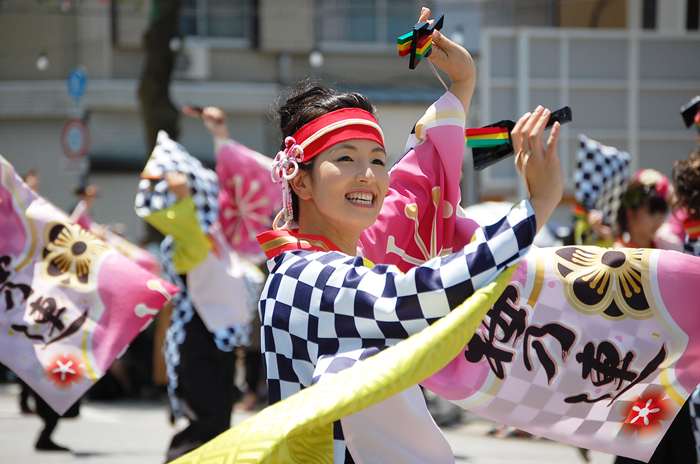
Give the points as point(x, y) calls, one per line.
point(538, 163)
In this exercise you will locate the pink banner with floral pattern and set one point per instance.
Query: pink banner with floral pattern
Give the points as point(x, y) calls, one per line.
point(69, 305)
point(594, 347)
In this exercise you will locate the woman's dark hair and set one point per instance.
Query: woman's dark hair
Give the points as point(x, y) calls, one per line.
point(686, 180)
point(310, 102)
point(636, 196)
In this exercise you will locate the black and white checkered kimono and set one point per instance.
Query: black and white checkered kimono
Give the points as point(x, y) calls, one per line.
point(322, 311)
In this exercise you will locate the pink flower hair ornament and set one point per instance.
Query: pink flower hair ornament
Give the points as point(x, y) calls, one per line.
point(284, 168)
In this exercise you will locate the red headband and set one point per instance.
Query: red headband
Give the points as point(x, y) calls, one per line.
point(322, 132)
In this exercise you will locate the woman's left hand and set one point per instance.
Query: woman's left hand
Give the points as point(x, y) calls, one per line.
point(455, 60)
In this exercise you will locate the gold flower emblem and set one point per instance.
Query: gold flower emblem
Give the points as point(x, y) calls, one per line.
point(604, 281)
point(68, 254)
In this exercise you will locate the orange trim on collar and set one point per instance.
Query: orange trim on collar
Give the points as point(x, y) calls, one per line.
point(276, 242)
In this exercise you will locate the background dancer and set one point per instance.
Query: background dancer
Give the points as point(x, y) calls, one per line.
point(192, 206)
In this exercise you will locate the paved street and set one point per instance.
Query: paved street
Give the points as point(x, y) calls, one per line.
point(135, 432)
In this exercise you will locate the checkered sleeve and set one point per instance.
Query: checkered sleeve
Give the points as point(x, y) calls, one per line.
point(317, 305)
point(381, 306)
point(695, 417)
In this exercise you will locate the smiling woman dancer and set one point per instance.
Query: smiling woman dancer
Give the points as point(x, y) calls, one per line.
point(324, 308)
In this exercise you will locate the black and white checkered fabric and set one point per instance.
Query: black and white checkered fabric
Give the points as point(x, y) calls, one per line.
point(154, 195)
point(601, 177)
point(324, 311)
point(183, 310)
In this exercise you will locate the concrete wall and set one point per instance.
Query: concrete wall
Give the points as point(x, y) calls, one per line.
point(397, 120)
point(287, 25)
point(132, 22)
point(36, 143)
point(582, 13)
point(27, 30)
point(243, 65)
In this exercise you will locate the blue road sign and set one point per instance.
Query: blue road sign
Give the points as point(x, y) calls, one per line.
point(77, 83)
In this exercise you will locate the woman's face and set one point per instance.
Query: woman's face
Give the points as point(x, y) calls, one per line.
point(348, 184)
point(644, 223)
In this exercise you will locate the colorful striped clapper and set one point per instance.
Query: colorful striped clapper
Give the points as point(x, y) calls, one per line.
point(490, 144)
point(419, 42)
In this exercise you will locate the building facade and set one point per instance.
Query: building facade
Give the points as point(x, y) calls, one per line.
point(240, 55)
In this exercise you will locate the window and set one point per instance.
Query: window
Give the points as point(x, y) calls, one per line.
point(218, 18)
point(650, 13)
point(366, 21)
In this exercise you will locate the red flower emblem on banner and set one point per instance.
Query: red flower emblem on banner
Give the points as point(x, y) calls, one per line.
point(644, 414)
point(64, 371)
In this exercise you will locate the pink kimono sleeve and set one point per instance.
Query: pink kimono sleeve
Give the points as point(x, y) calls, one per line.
point(421, 217)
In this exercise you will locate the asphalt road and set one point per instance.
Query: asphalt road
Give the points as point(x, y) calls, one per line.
point(138, 432)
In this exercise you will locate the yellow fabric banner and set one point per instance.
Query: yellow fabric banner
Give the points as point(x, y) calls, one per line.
point(191, 244)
